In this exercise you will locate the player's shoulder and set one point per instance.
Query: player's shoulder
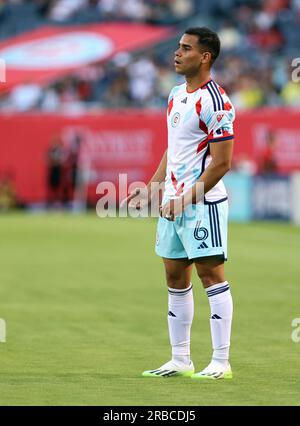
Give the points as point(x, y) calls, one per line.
point(215, 98)
point(177, 90)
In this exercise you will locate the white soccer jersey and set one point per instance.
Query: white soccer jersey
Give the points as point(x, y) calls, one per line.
point(195, 119)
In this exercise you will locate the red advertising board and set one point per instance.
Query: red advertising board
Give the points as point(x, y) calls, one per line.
point(253, 129)
point(113, 143)
point(126, 142)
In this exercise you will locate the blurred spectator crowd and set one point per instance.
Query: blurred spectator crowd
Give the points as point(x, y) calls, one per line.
point(38, 12)
point(260, 38)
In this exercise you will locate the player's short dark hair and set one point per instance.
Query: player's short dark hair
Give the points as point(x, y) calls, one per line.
point(207, 39)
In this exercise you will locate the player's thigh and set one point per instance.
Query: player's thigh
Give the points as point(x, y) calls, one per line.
point(210, 270)
point(178, 272)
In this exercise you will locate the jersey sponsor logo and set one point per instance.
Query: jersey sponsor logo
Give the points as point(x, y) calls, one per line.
point(175, 120)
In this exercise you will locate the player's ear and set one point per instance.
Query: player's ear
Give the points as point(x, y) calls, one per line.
point(206, 58)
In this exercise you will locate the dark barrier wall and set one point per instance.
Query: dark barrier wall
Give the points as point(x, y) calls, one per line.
point(272, 197)
point(127, 142)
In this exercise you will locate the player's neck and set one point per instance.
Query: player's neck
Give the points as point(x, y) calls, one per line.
point(195, 82)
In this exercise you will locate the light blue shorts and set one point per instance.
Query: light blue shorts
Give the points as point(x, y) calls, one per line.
point(201, 231)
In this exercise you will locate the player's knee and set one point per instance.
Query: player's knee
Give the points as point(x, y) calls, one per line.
point(175, 280)
point(207, 278)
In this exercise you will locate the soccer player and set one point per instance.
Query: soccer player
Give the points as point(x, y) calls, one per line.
point(200, 142)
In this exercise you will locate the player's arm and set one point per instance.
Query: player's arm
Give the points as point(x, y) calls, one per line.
point(160, 174)
point(158, 177)
point(221, 153)
point(221, 134)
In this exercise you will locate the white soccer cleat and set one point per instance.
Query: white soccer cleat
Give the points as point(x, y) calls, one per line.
point(215, 370)
point(171, 369)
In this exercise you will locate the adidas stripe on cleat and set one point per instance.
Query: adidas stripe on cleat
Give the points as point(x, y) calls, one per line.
point(170, 369)
point(214, 371)
point(212, 376)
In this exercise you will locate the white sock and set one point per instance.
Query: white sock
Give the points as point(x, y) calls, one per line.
point(180, 317)
point(221, 308)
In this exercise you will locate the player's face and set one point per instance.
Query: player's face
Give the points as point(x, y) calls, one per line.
point(189, 57)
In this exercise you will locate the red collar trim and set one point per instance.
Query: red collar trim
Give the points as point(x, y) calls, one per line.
point(204, 84)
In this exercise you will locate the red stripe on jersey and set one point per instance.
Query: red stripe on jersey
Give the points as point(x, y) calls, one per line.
point(170, 106)
point(222, 91)
point(211, 135)
point(173, 177)
point(174, 180)
point(203, 127)
point(201, 87)
point(180, 190)
point(202, 145)
point(227, 106)
point(198, 107)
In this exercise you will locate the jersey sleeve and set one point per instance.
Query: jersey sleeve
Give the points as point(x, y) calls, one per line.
point(219, 121)
point(171, 96)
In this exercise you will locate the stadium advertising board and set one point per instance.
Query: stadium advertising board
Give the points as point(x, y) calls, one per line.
point(239, 186)
point(50, 52)
point(131, 142)
point(252, 135)
point(271, 197)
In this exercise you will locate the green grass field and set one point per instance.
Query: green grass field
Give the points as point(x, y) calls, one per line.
point(84, 300)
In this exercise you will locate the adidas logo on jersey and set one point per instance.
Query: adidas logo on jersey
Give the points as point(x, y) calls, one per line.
point(184, 101)
point(202, 246)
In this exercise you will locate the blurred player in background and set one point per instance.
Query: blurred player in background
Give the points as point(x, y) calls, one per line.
point(8, 198)
point(200, 143)
point(71, 169)
point(55, 158)
point(268, 155)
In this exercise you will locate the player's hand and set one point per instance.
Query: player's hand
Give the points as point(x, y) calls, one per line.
point(137, 199)
point(172, 209)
